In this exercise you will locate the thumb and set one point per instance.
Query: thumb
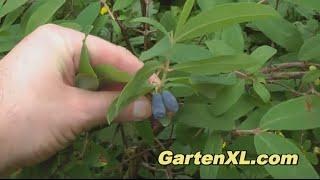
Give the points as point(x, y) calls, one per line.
point(94, 106)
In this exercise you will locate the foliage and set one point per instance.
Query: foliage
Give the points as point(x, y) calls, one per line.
point(239, 68)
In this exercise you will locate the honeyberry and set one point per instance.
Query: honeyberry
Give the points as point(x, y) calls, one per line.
point(158, 108)
point(312, 68)
point(170, 101)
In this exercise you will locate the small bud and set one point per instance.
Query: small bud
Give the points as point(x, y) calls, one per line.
point(312, 68)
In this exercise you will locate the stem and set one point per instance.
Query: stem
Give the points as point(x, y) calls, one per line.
point(123, 28)
point(277, 67)
point(123, 136)
point(85, 144)
point(285, 75)
point(144, 10)
point(239, 132)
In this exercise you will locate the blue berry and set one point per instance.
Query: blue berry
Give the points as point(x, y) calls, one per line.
point(158, 108)
point(170, 101)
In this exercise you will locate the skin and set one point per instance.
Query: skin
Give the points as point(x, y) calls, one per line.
point(41, 110)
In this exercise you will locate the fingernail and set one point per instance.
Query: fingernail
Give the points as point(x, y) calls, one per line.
point(141, 109)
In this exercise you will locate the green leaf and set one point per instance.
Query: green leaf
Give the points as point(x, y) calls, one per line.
point(267, 143)
point(86, 77)
point(228, 172)
point(233, 36)
point(42, 14)
point(187, 52)
point(203, 117)
point(1, 3)
point(310, 49)
point(242, 143)
point(109, 73)
point(285, 35)
point(311, 76)
point(227, 97)
point(11, 18)
point(217, 65)
point(159, 49)
point(88, 15)
point(312, 4)
point(135, 88)
point(262, 91)
point(222, 16)
point(145, 131)
point(121, 4)
point(262, 54)
point(70, 24)
point(295, 114)
point(10, 6)
point(184, 15)
point(253, 118)
point(152, 22)
point(220, 48)
point(213, 146)
point(208, 4)
point(222, 79)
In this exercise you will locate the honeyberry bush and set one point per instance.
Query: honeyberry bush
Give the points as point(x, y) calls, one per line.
point(245, 74)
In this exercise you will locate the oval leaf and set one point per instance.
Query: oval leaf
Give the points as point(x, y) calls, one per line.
point(217, 65)
point(286, 34)
point(10, 6)
point(310, 49)
point(266, 143)
point(42, 14)
point(295, 114)
point(262, 91)
point(222, 16)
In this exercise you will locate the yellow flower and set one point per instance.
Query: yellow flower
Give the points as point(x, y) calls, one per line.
point(104, 10)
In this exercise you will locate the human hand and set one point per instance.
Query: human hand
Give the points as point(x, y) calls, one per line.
point(41, 110)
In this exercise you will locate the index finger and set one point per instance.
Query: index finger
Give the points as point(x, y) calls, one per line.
point(102, 52)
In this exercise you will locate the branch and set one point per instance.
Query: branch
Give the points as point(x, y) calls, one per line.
point(285, 75)
point(238, 132)
point(278, 67)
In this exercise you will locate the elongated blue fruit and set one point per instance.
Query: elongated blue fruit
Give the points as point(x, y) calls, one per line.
point(170, 101)
point(158, 108)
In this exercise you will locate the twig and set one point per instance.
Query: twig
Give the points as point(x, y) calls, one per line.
point(277, 4)
point(85, 144)
point(160, 144)
point(123, 136)
point(238, 132)
point(144, 10)
point(277, 67)
point(285, 75)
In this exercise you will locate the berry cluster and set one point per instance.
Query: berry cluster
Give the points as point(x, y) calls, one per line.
point(162, 103)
